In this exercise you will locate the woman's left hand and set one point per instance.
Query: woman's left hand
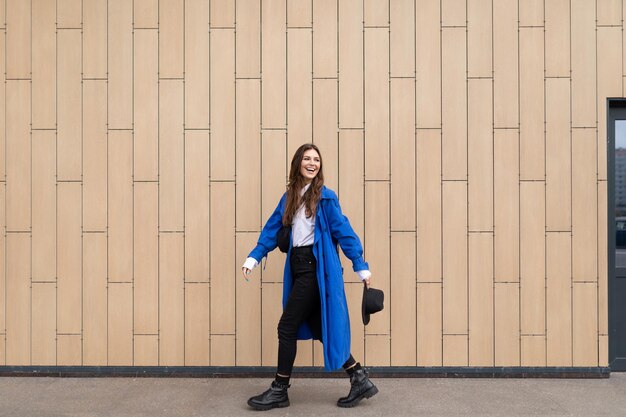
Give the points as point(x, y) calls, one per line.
point(366, 281)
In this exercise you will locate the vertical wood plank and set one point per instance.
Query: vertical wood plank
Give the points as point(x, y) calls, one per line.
point(248, 308)
point(222, 105)
point(428, 63)
point(351, 71)
point(299, 88)
point(609, 12)
point(146, 105)
point(95, 16)
point(603, 350)
point(146, 13)
point(120, 324)
point(171, 156)
point(43, 326)
point(585, 324)
point(505, 64)
point(429, 324)
point(223, 350)
point(69, 350)
point(354, 296)
point(559, 299)
point(603, 256)
point(402, 285)
point(171, 38)
point(453, 13)
point(429, 238)
point(531, 13)
point(248, 39)
point(351, 175)
point(454, 104)
point(43, 64)
point(376, 104)
point(299, 13)
point(583, 15)
point(3, 265)
point(376, 12)
point(120, 64)
point(197, 64)
point(377, 350)
point(197, 324)
point(402, 41)
point(171, 300)
point(557, 37)
point(325, 134)
point(271, 296)
point(506, 329)
point(44, 206)
point(69, 13)
point(481, 306)
point(146, 350)
point(197, 251)
point(95, 140)
point(3, 103)
point(533, 348)
point(69, 105)
point(403, 186)
point(95, 300)
point(223, 13)
point(479, 38)
point(455, 350)
point(274, 63)
point(18, 299)
point(18, 40)
point(325, 21)
point(120, 206)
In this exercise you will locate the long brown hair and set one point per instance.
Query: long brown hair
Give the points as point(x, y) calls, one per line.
point(297, 182)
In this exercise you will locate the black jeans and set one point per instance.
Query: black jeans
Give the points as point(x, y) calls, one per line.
point(303, 305)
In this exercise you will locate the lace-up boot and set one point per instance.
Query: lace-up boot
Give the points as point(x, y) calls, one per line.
point(275, 396)
point(360, 387)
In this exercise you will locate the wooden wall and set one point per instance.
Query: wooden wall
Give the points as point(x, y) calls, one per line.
point(145, 142)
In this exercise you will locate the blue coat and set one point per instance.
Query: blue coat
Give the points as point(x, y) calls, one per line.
point(331, 227)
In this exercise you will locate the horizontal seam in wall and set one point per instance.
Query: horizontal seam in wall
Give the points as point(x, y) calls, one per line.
point(171, 231)
point(533, 334)
point(95, 79)
point(69, 334)
point(221, 28)
point(506, 128)
point(18, 231)
point(18, 79)
point(123, 129)
point(453, 26)
point(46, 128)
point(455, 334)
point(480, 231)
point(44, 282)
point(428, 128)
point(120, 282)
point(225, 181)
point(376, 27)
point(61, 180)
point(300, 27)
point(171, 78)
point(248, 78)
point(208, 129)
point(94, 231)
point(609, 26)
point(403, 231)
point(558, 231)
point(326, 78)
point(145, 334)
point(197, 282)
point(531, 27)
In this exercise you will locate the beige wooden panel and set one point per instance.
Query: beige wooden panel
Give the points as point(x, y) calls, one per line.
point(325, 135)
point(120, 65)
point(248, 155)
point(351, 175)
point(609, 84)
point(146, 13)
point(94, 18)
point(2, 14)
point(248, 39)
point(43, 326)
point(429, 324)
point(171, 299)
point(403, 186)
point(69, 348)
point(376, 12)
point(506, 327)
point(44, 205)
point(69, 257)
point(455, 245)
point(479, 38)
point(94, 155)
point(223, 270)
point(603, 256)
point(532, 257)
point(2, 104)
point(171, 156)
point(248, 311)
point(583, 63)
point(584, 206)
point(271, 309)
point(299, 88)
point(531, 12)
point(532, 111)
point(377, 350)
point(274, 63)
point(18, 299)
point(402, 41)
point(454, 104)
point(197, 206)
point(609, 12)
point(69, 105)
point(299, 13)
point(2, 264)
point(377, 243)
point(146, 105)
point(69, 13)
point(223, 350)
point(146, 251)
point(533, 349)
point(197, 324)
point(603, 347)
point(146, 350)
point(481, 299)
point(325, 59)
point(455, 350)
point(354, 296)
point(3, 358)
point(557, 37)
point(44, 64)
point(18, 41)
point(403, 290)
point(480, 155)
point(506, 205)
point(18, 155)
point(305, 353)
point(95, 300)
point(197, 64)
point(223, 13)
point(223, 105)
point(558, 155)
point(585, 324)
point(559, 299)
point(505, 64)
point(120, 324)
point(171, 38)
point(376, 104)
point(453, 12)
point(318, 353)
point(428, 63)
point(273, 175)
point(120, 206)
point(351, 64)
point(429, 261)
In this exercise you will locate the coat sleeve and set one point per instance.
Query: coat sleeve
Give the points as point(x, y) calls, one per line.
point(267, 240)
point(342, 232)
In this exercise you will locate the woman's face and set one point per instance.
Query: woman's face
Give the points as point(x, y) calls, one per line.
point(310, 165)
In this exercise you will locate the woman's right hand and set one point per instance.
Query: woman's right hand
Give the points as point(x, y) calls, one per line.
point(245, 272)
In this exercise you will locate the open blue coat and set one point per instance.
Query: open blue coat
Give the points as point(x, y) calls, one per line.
point(331, 227)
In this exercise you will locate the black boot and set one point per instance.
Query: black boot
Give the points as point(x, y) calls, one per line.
point(274, 397)
point(360, 387)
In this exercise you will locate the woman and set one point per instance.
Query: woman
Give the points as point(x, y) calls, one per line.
point(314, 301)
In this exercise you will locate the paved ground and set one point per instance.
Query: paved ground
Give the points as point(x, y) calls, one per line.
point(156, 397)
